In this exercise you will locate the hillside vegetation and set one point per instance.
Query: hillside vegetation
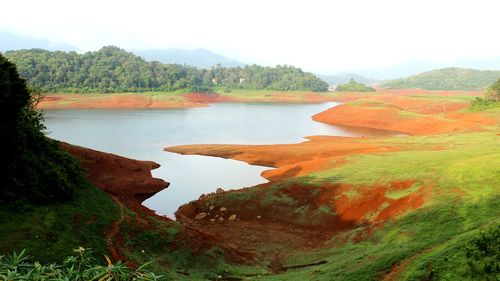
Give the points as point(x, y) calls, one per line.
point(46, 205)
point(353, 86)
point(447, 79)
point(34, 170)
point(493, 92)
point(112, 69)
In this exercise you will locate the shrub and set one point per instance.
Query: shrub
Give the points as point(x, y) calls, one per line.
point(483, 254)
point(80, 267)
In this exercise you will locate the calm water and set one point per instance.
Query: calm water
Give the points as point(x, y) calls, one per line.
point(142, 134)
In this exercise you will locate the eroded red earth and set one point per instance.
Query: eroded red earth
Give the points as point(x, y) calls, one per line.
point(284, 216)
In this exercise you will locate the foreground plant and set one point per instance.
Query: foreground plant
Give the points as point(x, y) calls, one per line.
point(80, 267)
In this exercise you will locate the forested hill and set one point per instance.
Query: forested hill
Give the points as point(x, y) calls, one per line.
point(447, 79)
point(112, 69)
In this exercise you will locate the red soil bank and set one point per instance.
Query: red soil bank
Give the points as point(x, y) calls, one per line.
point(393, 118)
point(127, 179)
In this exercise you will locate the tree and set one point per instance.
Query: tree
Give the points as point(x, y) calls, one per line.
point(354, 86)
point(493, 92)
point(112, 69)
point(32, 167)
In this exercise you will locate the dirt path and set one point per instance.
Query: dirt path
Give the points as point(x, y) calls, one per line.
point(397, 269)
point(112, 233)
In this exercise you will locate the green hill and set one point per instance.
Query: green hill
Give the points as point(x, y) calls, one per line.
point(447, 79)
point(112, 69)
point(354, 86)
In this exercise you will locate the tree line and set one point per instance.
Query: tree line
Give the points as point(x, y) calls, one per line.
point(354, 86)
point(112, 69)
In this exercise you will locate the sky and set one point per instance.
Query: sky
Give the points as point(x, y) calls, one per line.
point(318, 36)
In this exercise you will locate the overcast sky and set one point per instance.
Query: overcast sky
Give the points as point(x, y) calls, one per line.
point(314, 35)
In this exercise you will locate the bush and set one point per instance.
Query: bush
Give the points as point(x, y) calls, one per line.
point(354, 86)
point(493, 93)
point(483, 254)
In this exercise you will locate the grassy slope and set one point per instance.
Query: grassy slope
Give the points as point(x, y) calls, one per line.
point(468, 164)
point(50, 233)
point(462, 170)
point(447, 79)
point(463, 174)
point(171, 253)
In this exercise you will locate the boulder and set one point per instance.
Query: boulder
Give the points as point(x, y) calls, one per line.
point(200, 216)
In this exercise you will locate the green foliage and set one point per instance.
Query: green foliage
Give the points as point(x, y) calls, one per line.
point(80, 267)
point(32, 166)
point(112, 69)
point(255, 77)
point(447, 79)
point(491, 100)
point(354, 86)
point(50, 231)
point(493, 93)
point(483, 254)
point(479, 104)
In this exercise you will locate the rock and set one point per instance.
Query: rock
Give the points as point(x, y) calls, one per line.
point(220, 219)
point(219, 190)
point(211, 207)
point(212, 220)
point(232, 217)
point(200, 216)
point(223, 209)
point(258, 217)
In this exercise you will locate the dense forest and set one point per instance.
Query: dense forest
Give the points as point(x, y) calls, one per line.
point(447, 79)
point(354, 86)
point(112, 69)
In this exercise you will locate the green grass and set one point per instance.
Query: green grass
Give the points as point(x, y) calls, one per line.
point(256, 95)
point(464, 177)
point(51, 232)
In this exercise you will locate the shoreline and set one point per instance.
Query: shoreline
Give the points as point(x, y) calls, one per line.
point(175, 100)
point(326, 187)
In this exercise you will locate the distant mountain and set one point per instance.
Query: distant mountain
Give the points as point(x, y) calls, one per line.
point(200, 58)
point(409, 68)
point(345, 78)
point(453, 78)
point(11, 41)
